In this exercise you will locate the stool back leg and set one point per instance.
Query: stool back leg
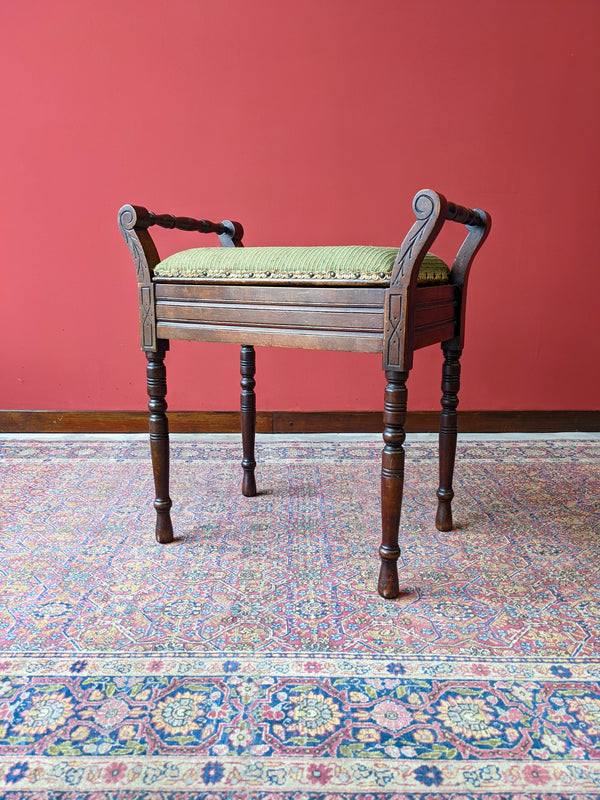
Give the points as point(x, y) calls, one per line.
point(248, 414)
point(392, 480)
point(447, 436)
point(159, 439)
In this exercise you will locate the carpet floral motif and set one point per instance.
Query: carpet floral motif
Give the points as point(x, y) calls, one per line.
point(252, 658)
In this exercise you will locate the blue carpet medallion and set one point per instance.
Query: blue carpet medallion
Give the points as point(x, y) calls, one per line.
point(252, 658)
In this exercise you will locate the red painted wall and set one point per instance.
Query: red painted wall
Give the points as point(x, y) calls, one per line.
point(312, 122)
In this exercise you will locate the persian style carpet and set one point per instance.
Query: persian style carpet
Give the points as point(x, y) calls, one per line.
point(252, 658)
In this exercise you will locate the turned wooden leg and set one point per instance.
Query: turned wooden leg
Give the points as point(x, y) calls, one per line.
point(448, 429)
point(159, 439)
point(392, 480)
point(248, 409)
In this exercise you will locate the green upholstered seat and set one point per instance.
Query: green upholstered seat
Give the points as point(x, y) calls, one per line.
point(353, 264)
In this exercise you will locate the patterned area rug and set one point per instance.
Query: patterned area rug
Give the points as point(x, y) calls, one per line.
point(252, 658)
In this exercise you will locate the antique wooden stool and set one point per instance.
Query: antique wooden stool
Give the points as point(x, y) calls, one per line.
point(360, 299)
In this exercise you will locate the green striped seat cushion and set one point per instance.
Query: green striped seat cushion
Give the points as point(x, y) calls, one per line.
point(355, 264)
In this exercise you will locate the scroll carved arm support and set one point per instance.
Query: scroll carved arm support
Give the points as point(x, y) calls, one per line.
point(134, 222)
point(431, 210)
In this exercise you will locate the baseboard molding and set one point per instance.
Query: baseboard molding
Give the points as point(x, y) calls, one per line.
point(294, 421)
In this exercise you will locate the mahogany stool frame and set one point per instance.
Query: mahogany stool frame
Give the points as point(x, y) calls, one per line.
point(393, 320)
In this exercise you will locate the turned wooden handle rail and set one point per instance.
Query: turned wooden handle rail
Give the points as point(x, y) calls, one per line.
point(466, 216)
point(145, 219)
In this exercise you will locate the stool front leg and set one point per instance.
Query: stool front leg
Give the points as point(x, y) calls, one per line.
point(447, 436)
point(248, 414)
point(392, 480)
point(159, 439)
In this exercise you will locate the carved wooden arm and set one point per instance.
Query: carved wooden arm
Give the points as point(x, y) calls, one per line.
point(134, 222)
point(431, 210)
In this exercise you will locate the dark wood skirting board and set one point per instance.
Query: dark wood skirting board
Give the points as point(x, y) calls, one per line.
point(294, 421)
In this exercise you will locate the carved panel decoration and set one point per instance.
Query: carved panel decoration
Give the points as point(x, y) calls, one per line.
point(147, 317)
point(393, 341)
